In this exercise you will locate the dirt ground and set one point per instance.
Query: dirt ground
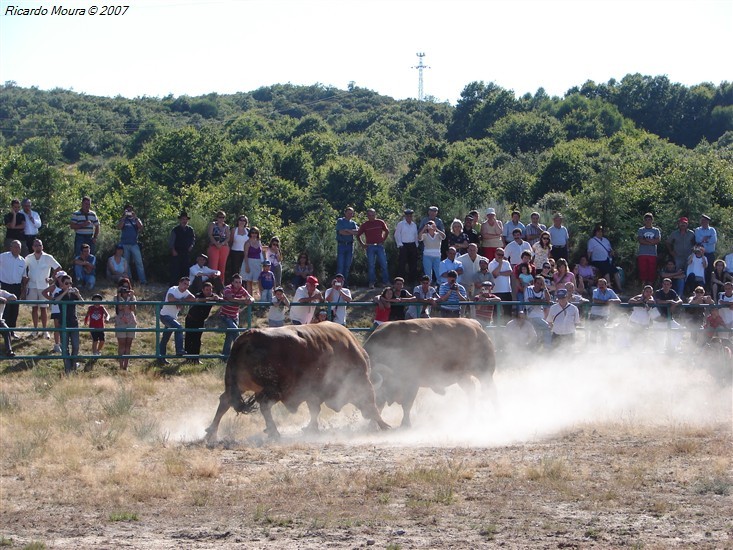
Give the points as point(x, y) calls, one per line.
point(639, 458)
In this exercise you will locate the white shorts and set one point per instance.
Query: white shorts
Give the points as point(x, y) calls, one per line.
point(36, 294)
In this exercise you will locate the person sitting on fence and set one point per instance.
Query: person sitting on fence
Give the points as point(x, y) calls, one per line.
point(697, 265)
point(276, 313)
point(641, 315)
point(484, 309)
point(306, 294)
point(384, 304)
point(696, 312)
point(451, 293)
point(425, 296)
point(169, 318)
point(200, 272)
point(600, 311)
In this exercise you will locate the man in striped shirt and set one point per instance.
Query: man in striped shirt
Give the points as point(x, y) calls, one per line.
point(235, 296)
point(86, 225)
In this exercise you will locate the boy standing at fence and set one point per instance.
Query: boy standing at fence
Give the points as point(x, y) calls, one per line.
point(276, 313)
point(266, 281)
point(95, 318)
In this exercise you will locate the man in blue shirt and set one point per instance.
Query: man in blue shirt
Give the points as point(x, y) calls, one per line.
point(451, 294)
point(130, 226)
point(346, 228)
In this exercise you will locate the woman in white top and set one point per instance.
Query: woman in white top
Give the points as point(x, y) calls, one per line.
point(276, 258)
point(431, 237)
point(239, 236)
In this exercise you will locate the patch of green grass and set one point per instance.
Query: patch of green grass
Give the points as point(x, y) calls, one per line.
point(716, 485)
point(120, 404)
point(5, 541)
point(35, 545)
point(123, 516)
point(7, 404)
point(592, 533)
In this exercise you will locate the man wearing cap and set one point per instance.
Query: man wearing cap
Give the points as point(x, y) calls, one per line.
point(374, 232)
point(32, 223)
point(451, 293)
point(306, 294)
point(86, 227)
point(130, 226)
point(563, 317)
point(405, 236)
point(534, 229)
point(559, 237)
point(14, 224)
point(346, 228)
point(39, 267)
point(707, 237)
point(483, 274)
point(432, 217)
point(200, 272)
point(646, 259)
point(181, 241)
point(338, 294)
point(468, 228)
point(679, 245)
point(510, 226)
point(491, 232)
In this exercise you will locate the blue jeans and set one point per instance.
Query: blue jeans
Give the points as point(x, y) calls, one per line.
point(69, 337)
point(132, 252)
point(230, 336)
point(431, 264)
point(375, 253)
point(84, 239)
point(84, 278)
point(344, 257)
point(266, 295)
point(543, 330)
point(171, 323)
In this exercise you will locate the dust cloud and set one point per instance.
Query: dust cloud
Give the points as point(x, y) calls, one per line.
point(539, 395)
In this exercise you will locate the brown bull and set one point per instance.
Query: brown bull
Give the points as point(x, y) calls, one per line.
point(428, 353)
point(315, 364)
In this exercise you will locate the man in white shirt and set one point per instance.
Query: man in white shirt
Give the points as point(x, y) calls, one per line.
point(306, 294)
point(405, 236)
point(538, 298)
point(13, 279)
point(169, 315)
point(471, 263)
point(199, 273)
point(6, 297)
point(337, 293)
point(502, 272)
point(40, 266)
point(514, 249)
point(450, 263)
point(563, 317)
point(32, 224)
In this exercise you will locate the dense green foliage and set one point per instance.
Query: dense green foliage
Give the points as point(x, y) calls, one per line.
point(292, 157)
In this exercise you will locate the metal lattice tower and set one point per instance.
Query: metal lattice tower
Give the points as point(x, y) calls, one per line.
point(420, 66)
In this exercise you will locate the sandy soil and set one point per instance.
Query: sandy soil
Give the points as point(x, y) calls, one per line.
point(577, 456)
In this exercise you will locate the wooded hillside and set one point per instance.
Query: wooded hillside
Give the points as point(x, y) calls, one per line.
point(292, 157)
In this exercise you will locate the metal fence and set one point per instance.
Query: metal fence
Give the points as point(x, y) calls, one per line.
point(248, 314)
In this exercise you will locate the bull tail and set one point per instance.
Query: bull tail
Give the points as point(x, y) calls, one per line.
point(243, 405)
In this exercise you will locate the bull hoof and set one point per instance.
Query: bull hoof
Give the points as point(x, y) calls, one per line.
point(273, 434)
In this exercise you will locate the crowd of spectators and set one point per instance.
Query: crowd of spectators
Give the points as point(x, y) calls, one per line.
point(471, 269)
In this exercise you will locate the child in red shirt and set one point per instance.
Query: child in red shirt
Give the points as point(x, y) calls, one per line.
point(95, 318)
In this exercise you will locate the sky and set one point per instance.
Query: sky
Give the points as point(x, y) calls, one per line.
point(195, 47)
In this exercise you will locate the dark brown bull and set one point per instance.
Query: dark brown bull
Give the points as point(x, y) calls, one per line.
point(429, 353)
point(315, 364)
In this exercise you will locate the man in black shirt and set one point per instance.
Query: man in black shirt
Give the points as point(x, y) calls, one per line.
point(181, 241)
point(196, 317)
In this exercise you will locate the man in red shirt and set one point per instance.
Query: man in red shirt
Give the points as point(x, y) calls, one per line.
point(235, 296)
point(374, 232)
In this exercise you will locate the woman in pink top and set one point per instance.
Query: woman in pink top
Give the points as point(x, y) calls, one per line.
point(252, 265)
point(562, 275)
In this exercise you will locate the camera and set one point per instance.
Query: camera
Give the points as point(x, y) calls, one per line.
point(128, 213)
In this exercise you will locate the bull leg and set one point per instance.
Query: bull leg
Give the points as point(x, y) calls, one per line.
point(270, 427)
point(408, 399)
point(314, 407)
point(212, 430)
point(489, 386)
